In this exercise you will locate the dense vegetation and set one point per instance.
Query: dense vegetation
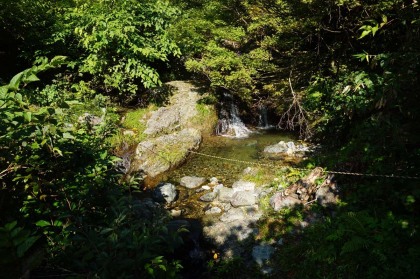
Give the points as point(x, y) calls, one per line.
point(343, 72)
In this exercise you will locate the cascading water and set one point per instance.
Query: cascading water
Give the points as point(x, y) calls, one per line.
point(263, 119)
point(231, 125)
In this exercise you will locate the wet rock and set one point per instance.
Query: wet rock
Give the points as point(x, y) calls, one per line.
point(164, 192)
point(192, 182)
point(213, 210)
point(286, 148)
point(209, 197)
point(225, 194)
point(158, 155)
point(243, 198)
point(278, 201)
point(243, 186)
point(262, 253)
point(206, 187)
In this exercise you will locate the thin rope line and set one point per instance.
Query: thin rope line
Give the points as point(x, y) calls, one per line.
point(303, 169)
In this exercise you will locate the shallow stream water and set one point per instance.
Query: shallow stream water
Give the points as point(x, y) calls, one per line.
point(227, 172)
point(243, 149)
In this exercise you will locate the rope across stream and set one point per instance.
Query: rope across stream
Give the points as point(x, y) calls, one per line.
point(303, 169)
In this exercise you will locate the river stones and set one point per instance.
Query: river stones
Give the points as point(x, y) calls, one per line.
point(213, 210)
point(164, 192)
point(209, 197)
point(243, 198)
point(225, 194)
point(242, 185)
point(192, 182)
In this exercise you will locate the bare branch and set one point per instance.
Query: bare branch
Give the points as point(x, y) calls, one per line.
point(295, 116)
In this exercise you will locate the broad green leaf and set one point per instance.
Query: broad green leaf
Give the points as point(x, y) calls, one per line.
point(15, 81)
point(364, 34)
point(42, 223)
point(28, 116)
point(58, 60)
point(31, 78)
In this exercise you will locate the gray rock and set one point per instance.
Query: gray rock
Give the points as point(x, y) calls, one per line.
point(213, 210)
point(206, 187)
point(286, 148)
point(262, 253)
point(278, 201)
point(225, 234)
point(217, 188)
point(213, 181)
point(192, 182)
point(325, 196)
point(158, 155)
point(243, 198)
point(243, 186)
point(164, 192)
point(234, 214)
point(225, 194)
point(165, 119)
point(208, 197)
point(179, 112)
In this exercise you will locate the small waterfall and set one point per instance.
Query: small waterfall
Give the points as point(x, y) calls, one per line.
point(263, 119)
point(231, 125)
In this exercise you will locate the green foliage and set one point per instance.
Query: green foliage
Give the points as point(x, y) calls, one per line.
point(57, 174)
point(355, 244)
point(118, 44)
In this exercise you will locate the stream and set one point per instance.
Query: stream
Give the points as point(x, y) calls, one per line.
point(247, 149)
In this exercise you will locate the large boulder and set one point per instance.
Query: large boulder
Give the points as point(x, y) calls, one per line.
point(160, 154)
point(179, 112)
point(164, 120)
